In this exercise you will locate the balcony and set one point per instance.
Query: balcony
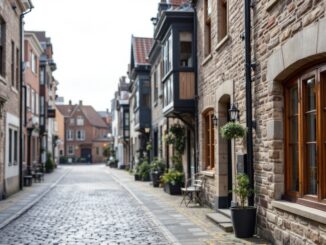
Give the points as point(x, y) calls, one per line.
point(142, 117)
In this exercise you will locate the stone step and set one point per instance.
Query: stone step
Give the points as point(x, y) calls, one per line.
point(226, 212)
point(221, 220)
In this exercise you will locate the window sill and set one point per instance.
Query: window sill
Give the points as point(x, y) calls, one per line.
point(300, 210)
point(207, 59)
point(208, 173)
point(222, 42)
point(13, 89)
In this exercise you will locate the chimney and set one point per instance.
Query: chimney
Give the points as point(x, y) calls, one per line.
point(80, 102)
point(70, 102)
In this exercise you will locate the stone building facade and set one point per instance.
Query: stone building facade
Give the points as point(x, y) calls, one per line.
point(288, 47)
point(10, 71)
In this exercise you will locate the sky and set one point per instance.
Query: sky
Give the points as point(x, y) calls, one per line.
point(91, 43)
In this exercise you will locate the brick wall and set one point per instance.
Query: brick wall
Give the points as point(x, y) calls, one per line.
point(275, 25)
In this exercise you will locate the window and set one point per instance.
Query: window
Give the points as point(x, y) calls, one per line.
point(12, 147)
point(33, 62)
point(209, 140)
point(72, 121)
point(42, 106)
point(168, 91)
point(222, 19)
point(208, 29)
point(2, 47)
point(70, 150)
point(80, 135)
point(80, 121)
point(42, 75)
point(185, 49)
point(137, 97)
point(37, 109)
point(17, 68)
point(13, 64)
point(155, 85)
point(28, 96)
point(167, 55)
point(33, 101)
point(305, 119)
point(70, 134)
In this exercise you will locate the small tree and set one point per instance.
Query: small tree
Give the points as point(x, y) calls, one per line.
point(242, 189)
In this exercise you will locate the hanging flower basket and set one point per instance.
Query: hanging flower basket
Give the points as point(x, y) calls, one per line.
point(233, 130)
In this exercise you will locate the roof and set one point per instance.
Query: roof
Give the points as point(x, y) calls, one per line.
point(92, 116)
point(103, 113)
point(141, 47)
point(89, 112)
point(40, 35)
point(177, 2)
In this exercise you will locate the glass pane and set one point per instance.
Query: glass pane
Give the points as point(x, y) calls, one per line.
point(312, 169)
point(294, 129)
point(295, 168)
point(311, 94)
point(185, 49)
point(294, 100)
point(311, 127)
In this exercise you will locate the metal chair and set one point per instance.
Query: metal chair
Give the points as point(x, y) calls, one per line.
point(193, 190)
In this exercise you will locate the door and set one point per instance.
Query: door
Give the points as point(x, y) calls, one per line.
point(86, 153)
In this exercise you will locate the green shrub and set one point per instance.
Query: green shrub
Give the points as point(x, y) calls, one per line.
point(242, 188)
point(157, 165)
point(49, 166)
point(143, 170)
point(173, 177)
point(232, 130)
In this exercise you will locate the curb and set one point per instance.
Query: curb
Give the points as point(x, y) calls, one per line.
point(168, 235)
point(25, 209)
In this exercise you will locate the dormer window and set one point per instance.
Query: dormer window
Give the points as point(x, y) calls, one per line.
point(80, 121)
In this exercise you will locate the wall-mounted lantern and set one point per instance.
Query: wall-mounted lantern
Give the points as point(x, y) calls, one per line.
point(215, 120)
point(234, 113)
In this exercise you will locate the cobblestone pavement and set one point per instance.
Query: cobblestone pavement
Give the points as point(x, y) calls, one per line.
point(87, 207)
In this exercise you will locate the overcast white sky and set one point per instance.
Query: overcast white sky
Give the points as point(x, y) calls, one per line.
point(91, 42)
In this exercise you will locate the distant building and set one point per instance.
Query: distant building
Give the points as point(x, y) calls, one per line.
point(86, 134)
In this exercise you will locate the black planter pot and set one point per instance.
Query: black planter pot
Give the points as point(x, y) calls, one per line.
point(156, 178)
point(244, 221)
point(146, 178)
point(137, 177)
point(172, 189)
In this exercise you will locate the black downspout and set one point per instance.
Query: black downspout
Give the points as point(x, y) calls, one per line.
point(250, 168)
point(196, 90)
point(21, 104)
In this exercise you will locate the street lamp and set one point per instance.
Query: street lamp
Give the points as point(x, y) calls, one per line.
point(234, 113)
point(215, 120)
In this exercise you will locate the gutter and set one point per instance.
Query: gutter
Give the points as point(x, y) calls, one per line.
point(22, 86)
point(249, 122)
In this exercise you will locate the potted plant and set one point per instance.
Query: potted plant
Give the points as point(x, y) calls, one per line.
point(173, 181)
point(144, 171)
point(243, 217)
point(157, 169)
point(233, 130)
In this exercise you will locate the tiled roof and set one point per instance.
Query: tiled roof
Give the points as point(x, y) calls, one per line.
point(92, 116)
point(40, 35)
point(176, 2)
point(141, 47)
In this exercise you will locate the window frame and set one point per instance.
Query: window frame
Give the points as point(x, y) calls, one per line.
point(209, 140)
point(207, 28)
point(302, 196)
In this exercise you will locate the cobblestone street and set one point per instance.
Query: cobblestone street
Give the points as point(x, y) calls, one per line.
point(86, 207)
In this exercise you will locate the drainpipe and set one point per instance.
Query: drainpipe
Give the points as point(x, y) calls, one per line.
point(193, 3)
point(249, 122)
point(21, 104)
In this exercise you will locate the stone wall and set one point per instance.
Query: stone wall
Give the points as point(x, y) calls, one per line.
point(278, 27)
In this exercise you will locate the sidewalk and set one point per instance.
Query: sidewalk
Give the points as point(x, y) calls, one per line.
point(185, 225)
point(14, 206)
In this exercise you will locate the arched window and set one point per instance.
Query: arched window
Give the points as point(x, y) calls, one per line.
point(209, 140)
point(305, 138)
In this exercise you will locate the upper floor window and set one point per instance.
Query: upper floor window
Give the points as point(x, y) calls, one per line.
point(80, 121)
point(155, 85)
point(42, 76)
point(168, 91)
point(208, 27)
point(80, 135)
point(70, 134)
point(167, 55)
point(72, 121)
point(2, 47)
point(222, 19)
point(70, 150)
point(185, 49)
point(305, 120)
point(33, 62)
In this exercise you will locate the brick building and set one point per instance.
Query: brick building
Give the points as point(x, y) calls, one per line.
point(86, 134)
point(32, 53)
point(10, 88)
point(289, 47)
